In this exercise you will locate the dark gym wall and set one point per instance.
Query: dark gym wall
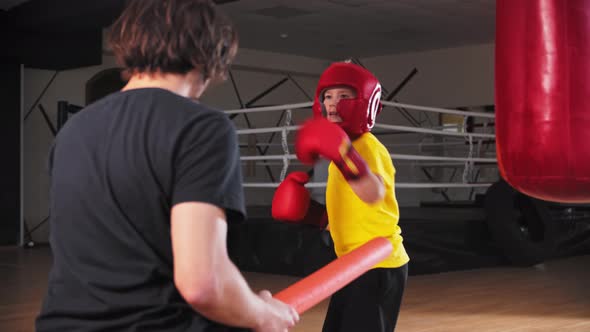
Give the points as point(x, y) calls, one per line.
point(10, 146)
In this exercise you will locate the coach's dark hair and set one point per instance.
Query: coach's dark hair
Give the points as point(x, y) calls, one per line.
point(173, 36)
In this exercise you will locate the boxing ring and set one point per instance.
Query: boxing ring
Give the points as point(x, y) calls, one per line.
point(472, 141)
point(464, 147)
point(331, 277)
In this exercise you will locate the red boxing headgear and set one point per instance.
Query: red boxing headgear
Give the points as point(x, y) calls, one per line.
point(358, 114)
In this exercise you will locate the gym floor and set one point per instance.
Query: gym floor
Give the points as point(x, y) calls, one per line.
point(554, 296)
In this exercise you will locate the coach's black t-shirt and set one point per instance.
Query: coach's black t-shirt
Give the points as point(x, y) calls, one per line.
point(117, 168)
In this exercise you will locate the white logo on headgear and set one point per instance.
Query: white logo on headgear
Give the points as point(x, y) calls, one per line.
point(374, 105)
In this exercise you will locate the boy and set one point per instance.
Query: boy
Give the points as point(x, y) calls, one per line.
point(360, 195)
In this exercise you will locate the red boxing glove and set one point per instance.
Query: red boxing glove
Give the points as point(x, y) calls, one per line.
point(291, 199)
point(320, 137)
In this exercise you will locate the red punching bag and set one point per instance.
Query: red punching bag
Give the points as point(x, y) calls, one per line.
point(543, 97)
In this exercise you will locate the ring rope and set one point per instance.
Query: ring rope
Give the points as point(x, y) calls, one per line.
point(393, 127)
point(393, 156)
point(386, 103)
point(401, 185)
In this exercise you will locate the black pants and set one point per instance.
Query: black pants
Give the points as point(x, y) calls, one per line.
point(371, 303)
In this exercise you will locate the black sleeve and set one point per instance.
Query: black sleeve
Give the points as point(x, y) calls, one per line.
point(207, 166)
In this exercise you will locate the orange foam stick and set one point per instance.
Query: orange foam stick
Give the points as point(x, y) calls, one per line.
point(324, 282)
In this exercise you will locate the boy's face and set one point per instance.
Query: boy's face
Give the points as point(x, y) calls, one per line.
point(331, 98)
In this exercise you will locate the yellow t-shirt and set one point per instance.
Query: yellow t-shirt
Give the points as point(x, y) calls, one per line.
point(354, 222)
